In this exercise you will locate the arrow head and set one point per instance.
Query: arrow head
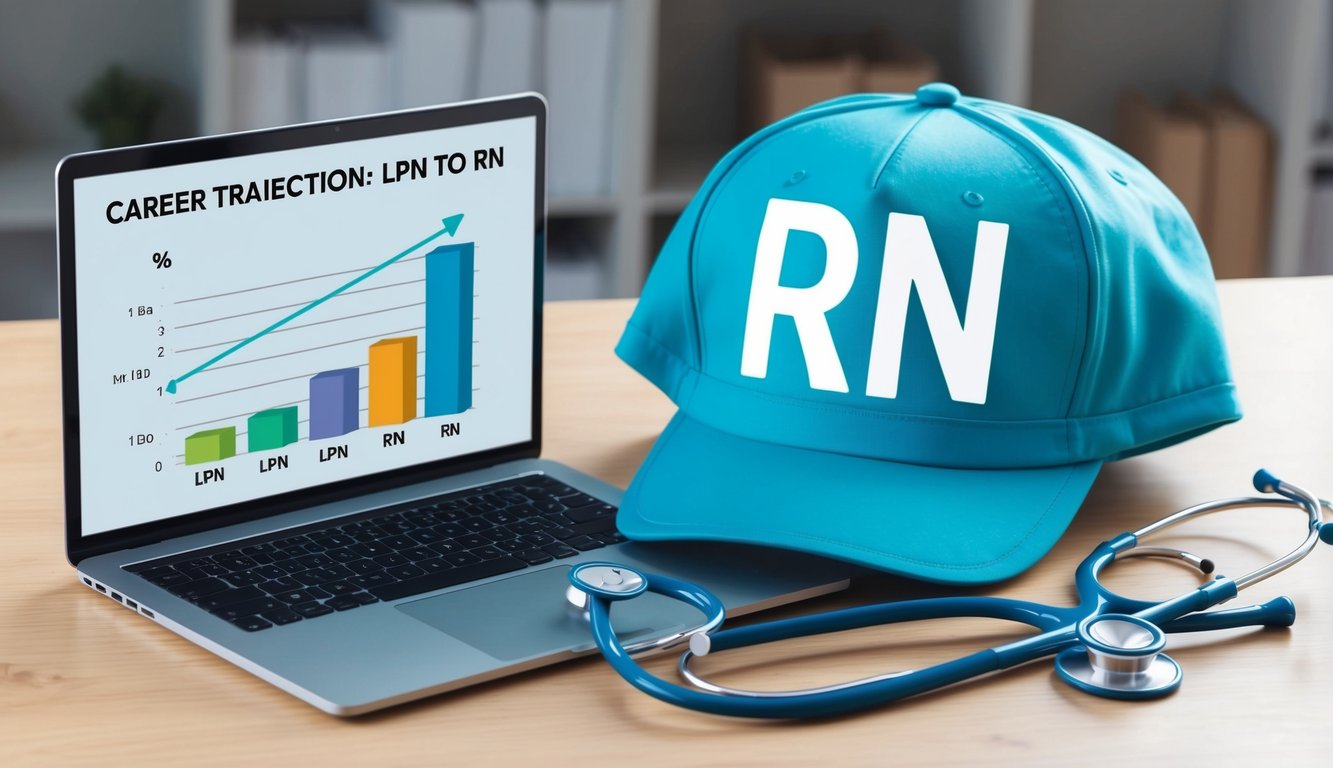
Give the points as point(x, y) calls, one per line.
point(451, 223)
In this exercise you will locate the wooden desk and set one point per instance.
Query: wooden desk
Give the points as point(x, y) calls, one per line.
point(82, 680)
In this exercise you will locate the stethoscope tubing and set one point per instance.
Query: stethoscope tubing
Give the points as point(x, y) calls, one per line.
point(1058, 627)
point(1033, 614)
point(806, 705)
point(856, 695)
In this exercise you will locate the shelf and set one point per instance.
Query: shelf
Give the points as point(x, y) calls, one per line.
point(678, 172)
point(578, 207)
point(679, 81)
point(1321, 153)
point(27, 187)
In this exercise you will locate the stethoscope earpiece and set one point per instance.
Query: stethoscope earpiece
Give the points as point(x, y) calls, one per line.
point(1120, 658)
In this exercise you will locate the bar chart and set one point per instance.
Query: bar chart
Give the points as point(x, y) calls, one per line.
point(262, 346)
point(403, 380)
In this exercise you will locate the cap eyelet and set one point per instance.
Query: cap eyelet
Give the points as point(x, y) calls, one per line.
point(973, 199)
point(1118, 176)
point(794, 179)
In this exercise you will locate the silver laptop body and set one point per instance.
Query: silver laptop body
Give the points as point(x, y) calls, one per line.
point(222, 323)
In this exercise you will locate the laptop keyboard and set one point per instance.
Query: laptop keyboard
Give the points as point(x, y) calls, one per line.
point(389, 553)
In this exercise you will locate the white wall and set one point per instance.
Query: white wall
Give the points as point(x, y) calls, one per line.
point(1086, 51)
point(149, 37)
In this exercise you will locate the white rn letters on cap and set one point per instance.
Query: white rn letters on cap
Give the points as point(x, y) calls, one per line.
point(964, 351)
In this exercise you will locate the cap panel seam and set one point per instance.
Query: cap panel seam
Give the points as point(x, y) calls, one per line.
point(898, 148)
point(691, 305)
point(1071, 367)
point(1093, 330)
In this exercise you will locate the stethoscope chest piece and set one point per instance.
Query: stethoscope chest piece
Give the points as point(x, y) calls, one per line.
point(1120, 658)
point(613, 582)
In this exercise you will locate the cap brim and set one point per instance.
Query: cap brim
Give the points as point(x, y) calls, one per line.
point(961, 526)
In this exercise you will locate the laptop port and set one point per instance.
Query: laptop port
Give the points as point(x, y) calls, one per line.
point(87, 581)
point(116, 597)
point(147, 613)
point(100, 588)
point(133, 605)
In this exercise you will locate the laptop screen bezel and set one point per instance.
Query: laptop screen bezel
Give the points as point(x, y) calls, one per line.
point(79, 546)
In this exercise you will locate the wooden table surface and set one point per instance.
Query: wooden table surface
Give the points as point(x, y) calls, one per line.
point(81, 680)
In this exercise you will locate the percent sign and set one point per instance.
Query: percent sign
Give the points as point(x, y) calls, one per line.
point(161, 260)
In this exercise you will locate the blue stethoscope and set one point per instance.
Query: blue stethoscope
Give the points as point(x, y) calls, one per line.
point(1107, 645)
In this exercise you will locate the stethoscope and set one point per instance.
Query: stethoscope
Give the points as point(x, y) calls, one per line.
point(1107, 645)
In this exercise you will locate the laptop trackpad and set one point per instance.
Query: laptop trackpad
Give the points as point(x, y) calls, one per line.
point(527, 615)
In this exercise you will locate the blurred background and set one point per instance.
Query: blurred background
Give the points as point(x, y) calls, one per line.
point(1227, 100)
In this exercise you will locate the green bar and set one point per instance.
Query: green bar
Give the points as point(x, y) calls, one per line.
point(210, 445)
point(271, 429)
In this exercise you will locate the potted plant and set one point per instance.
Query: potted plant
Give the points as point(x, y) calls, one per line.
point(119, 108)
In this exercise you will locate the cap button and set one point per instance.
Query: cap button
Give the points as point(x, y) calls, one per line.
point(936, 95)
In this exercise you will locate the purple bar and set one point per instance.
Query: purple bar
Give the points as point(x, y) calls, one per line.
point(333, 402)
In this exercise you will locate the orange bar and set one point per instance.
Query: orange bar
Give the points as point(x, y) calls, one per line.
point(393, 381)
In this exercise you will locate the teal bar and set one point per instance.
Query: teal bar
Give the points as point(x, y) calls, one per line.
point(449, 329)
point(271, 429)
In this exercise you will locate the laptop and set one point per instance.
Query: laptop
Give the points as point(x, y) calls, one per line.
point(302, 409)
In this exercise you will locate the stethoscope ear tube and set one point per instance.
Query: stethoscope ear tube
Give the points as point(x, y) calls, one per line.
point(817, 703)
point(599, 619)
point(1278, 612)
point(1108, 645)
point(833, 700)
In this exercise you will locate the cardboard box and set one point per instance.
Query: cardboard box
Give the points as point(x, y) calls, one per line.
point(1172, 144)
point(1237, 193)
point(893, 66)
point(784, 75)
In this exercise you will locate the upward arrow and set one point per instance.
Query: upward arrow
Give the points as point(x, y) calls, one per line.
point(450, 223)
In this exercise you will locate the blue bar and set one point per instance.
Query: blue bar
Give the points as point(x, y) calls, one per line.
point(449, 329)
point(333, 402)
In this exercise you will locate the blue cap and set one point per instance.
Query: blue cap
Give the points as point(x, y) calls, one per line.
point(906, 331)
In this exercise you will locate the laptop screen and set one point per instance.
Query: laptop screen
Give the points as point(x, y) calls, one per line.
point(272, 322)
